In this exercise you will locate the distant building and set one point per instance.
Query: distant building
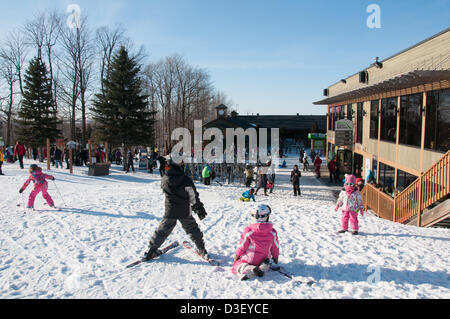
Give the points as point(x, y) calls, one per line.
point(400, 109)
point(292, 127)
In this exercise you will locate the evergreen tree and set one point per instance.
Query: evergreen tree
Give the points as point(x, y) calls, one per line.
point(37, 117)
point(120, 111)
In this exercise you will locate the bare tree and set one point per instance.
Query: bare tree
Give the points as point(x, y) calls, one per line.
point(9, 77)
point(107, 41)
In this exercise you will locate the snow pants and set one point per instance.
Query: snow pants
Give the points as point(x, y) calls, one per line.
point(167, 225)
point(297, 191)
point(242, 268)
point(353, 217)
point(37, 189)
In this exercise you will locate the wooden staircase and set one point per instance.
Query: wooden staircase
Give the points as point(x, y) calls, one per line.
point(425, 202)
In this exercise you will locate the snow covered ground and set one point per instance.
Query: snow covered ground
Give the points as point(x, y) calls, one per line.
point(82, 250)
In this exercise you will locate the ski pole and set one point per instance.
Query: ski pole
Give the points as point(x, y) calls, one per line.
point(23, 202)
point(62, 198)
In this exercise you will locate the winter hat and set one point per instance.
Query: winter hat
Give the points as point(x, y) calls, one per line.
point(262, 214)
point(33, 168)
point(350, 179)
point(350, 183)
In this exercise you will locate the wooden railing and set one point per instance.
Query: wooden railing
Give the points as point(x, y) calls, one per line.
point(429, 188)
point(381, 203)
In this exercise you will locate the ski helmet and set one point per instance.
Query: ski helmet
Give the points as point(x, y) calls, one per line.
point(33, 168)
point(262, 213)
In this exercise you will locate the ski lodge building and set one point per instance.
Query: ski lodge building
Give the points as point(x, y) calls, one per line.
point(399, 111)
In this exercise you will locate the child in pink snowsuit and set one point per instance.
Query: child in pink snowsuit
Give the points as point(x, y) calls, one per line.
point(40, 185)
point(259, 243)
point(351, 202)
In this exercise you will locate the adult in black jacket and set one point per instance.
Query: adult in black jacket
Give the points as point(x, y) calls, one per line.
point(162, 165)
point(181, 199)
point(295, 180)
point(130, 161)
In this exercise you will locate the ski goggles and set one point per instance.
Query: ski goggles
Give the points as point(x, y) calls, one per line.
point(349, 184)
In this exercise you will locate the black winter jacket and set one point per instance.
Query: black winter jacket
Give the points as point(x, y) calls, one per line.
point(295, 177)
point(181, 194)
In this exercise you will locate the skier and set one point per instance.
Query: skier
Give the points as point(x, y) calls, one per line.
point(248, 195)
point(317, 165)
point(259, 243)
point(20, 152)
point(351, 202)
point(58, 155)
point(162, 165)
point(305, 164)
point(249, 172)
point(206, 174)
point(1, 161)
point(130, 161)
point(295, 180)
point(262, 181)
point(40, 185)
point(181, 199)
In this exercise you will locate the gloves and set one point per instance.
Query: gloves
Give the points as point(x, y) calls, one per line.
point(336, 209)
point(236, 258)
point(362, 212)
point(275, 260)
point(20, 191)
point(199, 209)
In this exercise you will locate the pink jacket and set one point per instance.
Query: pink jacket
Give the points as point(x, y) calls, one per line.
point(39, 180)
point(258, 242)
point(350, 202)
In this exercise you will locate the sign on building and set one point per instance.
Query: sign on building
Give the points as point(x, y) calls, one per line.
point(344, 133)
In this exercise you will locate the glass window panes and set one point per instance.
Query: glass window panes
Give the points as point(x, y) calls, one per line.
point(437, 128)
point(389, 119)
point(411, 119)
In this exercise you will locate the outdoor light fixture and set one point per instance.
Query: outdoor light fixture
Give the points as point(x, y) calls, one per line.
point(344, 81)
point(377, 63)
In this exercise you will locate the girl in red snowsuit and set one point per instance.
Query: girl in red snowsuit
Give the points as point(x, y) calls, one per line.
point(40, 185)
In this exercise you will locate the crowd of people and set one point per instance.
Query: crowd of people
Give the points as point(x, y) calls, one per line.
point(259, 243)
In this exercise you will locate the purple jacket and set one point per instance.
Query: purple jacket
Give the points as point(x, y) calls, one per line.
point(258, 242)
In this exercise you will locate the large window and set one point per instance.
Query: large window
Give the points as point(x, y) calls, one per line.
point(335, 117)
point(404, 180)
point(437, 128)
point(389, 119)
point(374, 105)
point(411, 119)
point(359, 123)
point(350, 112)
point(387, 179)
point(342, 112)
point(330, 118)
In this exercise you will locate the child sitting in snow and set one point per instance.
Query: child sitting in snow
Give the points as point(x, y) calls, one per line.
point(248, 195)
point(351, 202)
point(40, 185)
point(259, 243)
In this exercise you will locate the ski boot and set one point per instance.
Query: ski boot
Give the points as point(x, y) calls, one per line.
point(342, 231)
point(355, 233)
point(152, 253)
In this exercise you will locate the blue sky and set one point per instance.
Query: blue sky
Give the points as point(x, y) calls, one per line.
point(268, 56)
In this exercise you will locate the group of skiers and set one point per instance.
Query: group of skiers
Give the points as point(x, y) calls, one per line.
point(259, 243)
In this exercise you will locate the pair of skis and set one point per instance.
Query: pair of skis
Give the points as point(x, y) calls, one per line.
point(174, 245)
point(290, 275)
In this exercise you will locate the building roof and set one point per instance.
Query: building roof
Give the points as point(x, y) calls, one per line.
point(403, 81)
point(286, 122)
